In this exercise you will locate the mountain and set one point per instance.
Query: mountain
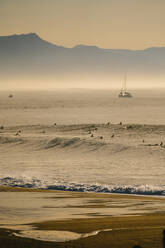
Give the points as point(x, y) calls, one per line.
point(29, 56)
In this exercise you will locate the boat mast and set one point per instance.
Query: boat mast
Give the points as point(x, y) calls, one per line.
point(124, 83)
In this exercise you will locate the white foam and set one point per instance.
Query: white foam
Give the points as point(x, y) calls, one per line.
point(27, 182)
point(56, 236)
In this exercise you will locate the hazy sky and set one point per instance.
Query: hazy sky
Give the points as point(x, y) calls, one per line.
point(134, 24)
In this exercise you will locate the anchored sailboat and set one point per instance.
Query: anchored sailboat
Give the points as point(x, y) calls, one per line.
point(124, 92)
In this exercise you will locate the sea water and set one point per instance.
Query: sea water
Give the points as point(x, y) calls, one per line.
point(126, 173)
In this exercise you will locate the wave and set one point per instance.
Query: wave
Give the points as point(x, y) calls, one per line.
point(8, 140)
point(88, 145)
point(83, 187)
point(57, 142)
point(73, 142)
point(63, 142)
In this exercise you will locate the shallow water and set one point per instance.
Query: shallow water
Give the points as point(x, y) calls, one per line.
point(56, 236)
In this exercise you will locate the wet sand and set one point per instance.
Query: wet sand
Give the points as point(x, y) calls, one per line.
point(71, 219)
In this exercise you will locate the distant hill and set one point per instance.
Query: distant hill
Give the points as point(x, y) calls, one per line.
point(27, 55)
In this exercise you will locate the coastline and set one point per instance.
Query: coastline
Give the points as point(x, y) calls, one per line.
point(101, 219)
point(86, 194)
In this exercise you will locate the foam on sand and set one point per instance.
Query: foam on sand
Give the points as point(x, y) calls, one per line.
point(56, 236)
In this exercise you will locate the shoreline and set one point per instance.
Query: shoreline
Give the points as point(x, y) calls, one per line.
point(142, 227)
point(124, 195)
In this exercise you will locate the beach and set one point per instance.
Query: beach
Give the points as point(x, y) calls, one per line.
point(72, 219)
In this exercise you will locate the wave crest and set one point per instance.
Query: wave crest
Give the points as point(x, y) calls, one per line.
point(83, 187)
point(63, 142)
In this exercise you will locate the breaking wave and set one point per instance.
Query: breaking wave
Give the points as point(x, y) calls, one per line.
point(83, 187)
point(74, 143)
point(63, 142)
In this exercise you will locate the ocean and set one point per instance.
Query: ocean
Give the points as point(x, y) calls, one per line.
point(65, 157)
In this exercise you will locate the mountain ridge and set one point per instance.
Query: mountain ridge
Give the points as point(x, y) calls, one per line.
point(35, 36)
point(29, 56)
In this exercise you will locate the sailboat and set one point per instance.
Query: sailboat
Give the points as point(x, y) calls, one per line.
point(124, 92)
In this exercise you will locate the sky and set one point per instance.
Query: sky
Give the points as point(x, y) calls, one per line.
point(127, 24)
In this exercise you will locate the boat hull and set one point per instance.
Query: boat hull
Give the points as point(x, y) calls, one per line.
point(125, 95)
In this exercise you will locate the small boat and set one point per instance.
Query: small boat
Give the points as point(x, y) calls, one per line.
point(124, 92)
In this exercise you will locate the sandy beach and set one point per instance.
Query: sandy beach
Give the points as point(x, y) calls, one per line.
point(70, 219)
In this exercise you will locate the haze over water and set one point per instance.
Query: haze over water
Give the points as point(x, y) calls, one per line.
point(78, 106)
